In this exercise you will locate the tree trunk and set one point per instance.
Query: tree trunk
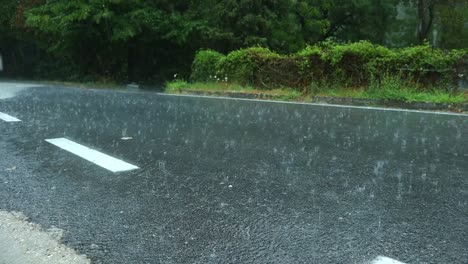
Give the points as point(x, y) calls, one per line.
point(426, 18)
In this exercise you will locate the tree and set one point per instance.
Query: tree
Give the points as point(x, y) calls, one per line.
point(152, 39)
point(104, 37)
point(453, 20)
point(426, 18)
point(284, 26)
point(429, 10)
point(358, 20)
point(16, 45)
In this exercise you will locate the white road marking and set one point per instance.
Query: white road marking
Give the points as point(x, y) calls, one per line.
point(96, 157)
point(319, 104)
point(8, 118)
point(385, 260)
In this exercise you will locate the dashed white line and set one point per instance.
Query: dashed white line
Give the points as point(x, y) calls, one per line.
point(96, 157)
point(385, 260)
point(8, 118)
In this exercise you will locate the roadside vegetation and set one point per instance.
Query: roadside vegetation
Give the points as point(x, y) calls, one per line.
point(357, 70)
point(414, 50)
point(147, 42)
point(383, 92)
point(180, 86)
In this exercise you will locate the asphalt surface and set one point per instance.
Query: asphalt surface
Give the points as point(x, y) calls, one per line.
point(234, 181)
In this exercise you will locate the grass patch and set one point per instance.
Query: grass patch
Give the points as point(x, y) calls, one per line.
point(180, 86)
point(401, 95)
point(331, 90)
point(394, 88)
point(410, 95)
point(390, 88)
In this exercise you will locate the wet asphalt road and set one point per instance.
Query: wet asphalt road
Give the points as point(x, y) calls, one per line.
point(229, 181)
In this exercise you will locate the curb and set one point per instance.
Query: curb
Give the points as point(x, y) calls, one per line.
point(463, 107)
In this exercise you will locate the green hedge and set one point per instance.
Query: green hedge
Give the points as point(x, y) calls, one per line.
point(204, 66)
point(242, 66)
point(350, 65)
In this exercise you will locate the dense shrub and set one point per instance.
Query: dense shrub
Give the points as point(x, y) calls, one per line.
point(205, 64)
point(242, 66)
point(420, 64)
point(354, 64)
point(314, 65)
point(350, 62)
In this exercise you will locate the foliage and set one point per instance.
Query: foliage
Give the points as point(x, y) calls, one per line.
point(422, 64)
point(241, 65)
point(180, 86)
point(139, 40)
point(395, 89)
point(122, 40)
point(350, 65)
point(394, 92)
point(176, 85)
point(390, 89)
point(453, 25)
point(360, 20)
point(351, 62)
point(284, 26)
point(205, 65)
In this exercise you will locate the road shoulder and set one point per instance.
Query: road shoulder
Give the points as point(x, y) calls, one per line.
point(23, 242)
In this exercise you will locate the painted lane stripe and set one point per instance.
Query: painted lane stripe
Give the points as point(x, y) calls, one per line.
point(96, 157)
point(385, 260)
point(388, 109)
point(8, 118)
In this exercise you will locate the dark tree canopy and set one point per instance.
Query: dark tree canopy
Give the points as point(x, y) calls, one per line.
point(129, 40)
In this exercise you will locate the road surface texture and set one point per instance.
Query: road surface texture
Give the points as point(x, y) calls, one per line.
point(209, 180)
